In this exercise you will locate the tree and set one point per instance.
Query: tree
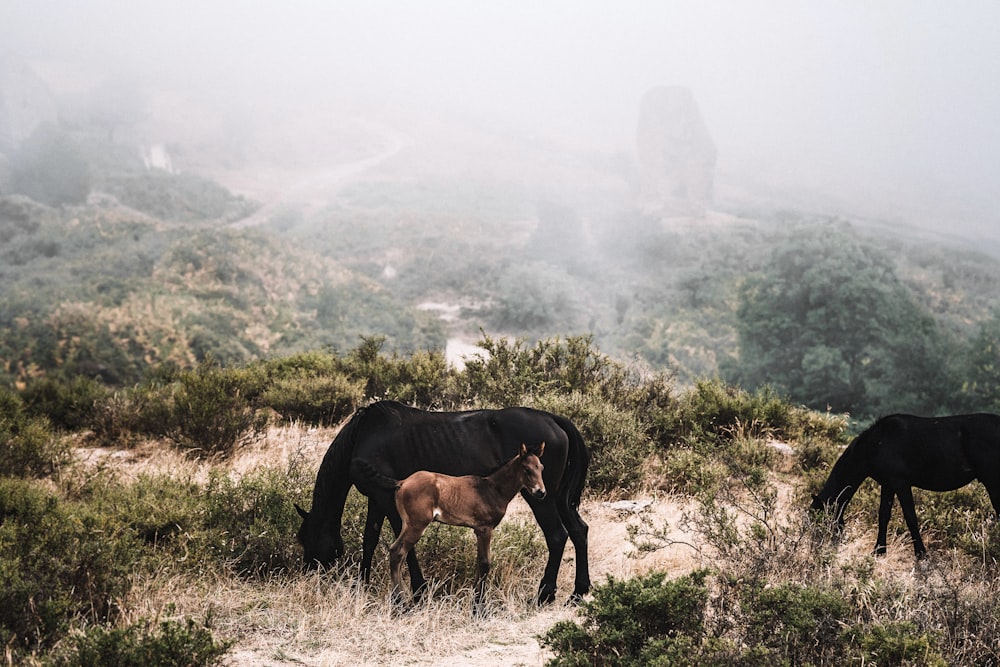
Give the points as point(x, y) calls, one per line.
point(829, 323)
point(49, 169)
point(981, 390)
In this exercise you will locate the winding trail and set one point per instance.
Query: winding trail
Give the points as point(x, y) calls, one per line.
point(320, 187)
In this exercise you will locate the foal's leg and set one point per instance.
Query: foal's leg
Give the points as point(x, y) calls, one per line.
point(884, 512)
point(910, 514)
point(484, 536)
point(418, 585)
point(403, 548)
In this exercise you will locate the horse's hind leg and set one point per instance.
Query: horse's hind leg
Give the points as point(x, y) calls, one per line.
point(578, 531)
point(884, 512)
point(555, 539)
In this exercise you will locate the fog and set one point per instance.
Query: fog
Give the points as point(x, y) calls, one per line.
point(889, 106)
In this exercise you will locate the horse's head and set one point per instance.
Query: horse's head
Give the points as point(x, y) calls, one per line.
point(832, 506)
point(531, 471)
point(320, 547)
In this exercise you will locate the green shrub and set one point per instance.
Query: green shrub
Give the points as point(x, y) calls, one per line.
point(68, 404)
point(168, 644)
point(211, 414)
point(798, 624)
point(323, 400)
point(510, 372)
point(422, 379)
point(250, 522)
point(618, 443)
point(897, 644)
point(632, 622)
point(58, 561)
point(28, 447)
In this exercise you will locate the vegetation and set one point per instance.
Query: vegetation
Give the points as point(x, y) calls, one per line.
point(93, 536)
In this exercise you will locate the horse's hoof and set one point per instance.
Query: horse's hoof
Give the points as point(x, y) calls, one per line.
point(574, 600)
point(545, 598)
point(879, 551)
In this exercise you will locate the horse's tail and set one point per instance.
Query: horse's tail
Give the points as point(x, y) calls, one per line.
point(374, 476)
point(577, 462)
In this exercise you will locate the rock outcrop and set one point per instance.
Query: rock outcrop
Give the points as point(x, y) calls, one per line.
point(676, 155)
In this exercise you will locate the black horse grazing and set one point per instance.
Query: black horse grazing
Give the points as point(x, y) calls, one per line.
point(395, 441)
point(903, 451)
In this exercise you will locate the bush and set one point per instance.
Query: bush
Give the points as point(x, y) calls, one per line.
point(321, 400)
point(633, 622)
point(211, 413)
point(28, 447)
point(249, 523)
point(422, 379)
point(618, 443)
point(58, 561)
point(69, 404)
point(168, 644)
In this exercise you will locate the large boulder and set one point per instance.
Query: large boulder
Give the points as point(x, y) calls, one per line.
point(25, 103)
point(676, 155)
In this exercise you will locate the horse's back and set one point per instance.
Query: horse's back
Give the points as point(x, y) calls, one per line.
point(399, 440)
point(934, 453)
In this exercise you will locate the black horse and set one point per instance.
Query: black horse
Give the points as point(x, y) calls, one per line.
point(394, 441)
point(903, 451)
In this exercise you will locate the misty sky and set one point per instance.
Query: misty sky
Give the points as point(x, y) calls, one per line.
point(886, 96)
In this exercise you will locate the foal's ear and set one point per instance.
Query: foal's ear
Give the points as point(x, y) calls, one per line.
point(524, 449)
point(541, 449)
point(302, 513)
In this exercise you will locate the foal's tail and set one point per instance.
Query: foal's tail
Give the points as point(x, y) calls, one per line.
point(577, 462)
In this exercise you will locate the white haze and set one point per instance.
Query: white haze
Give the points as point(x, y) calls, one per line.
point(891, 105)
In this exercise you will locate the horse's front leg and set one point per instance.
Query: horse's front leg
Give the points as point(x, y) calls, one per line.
point(910, 514)
point(884, 512)
point(484, 536)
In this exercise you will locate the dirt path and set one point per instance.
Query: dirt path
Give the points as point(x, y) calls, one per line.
point(318, 188)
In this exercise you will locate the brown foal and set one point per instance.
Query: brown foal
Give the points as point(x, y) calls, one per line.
point(471, 501)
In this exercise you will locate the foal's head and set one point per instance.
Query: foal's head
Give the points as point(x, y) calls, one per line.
point(531, 471)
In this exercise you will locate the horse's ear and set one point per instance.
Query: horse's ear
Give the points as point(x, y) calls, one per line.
point(541, 449)
point(302, 513)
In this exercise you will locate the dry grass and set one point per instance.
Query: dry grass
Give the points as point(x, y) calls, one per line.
point(325, 619)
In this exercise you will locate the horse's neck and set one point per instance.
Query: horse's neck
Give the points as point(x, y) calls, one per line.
point(507, 480)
